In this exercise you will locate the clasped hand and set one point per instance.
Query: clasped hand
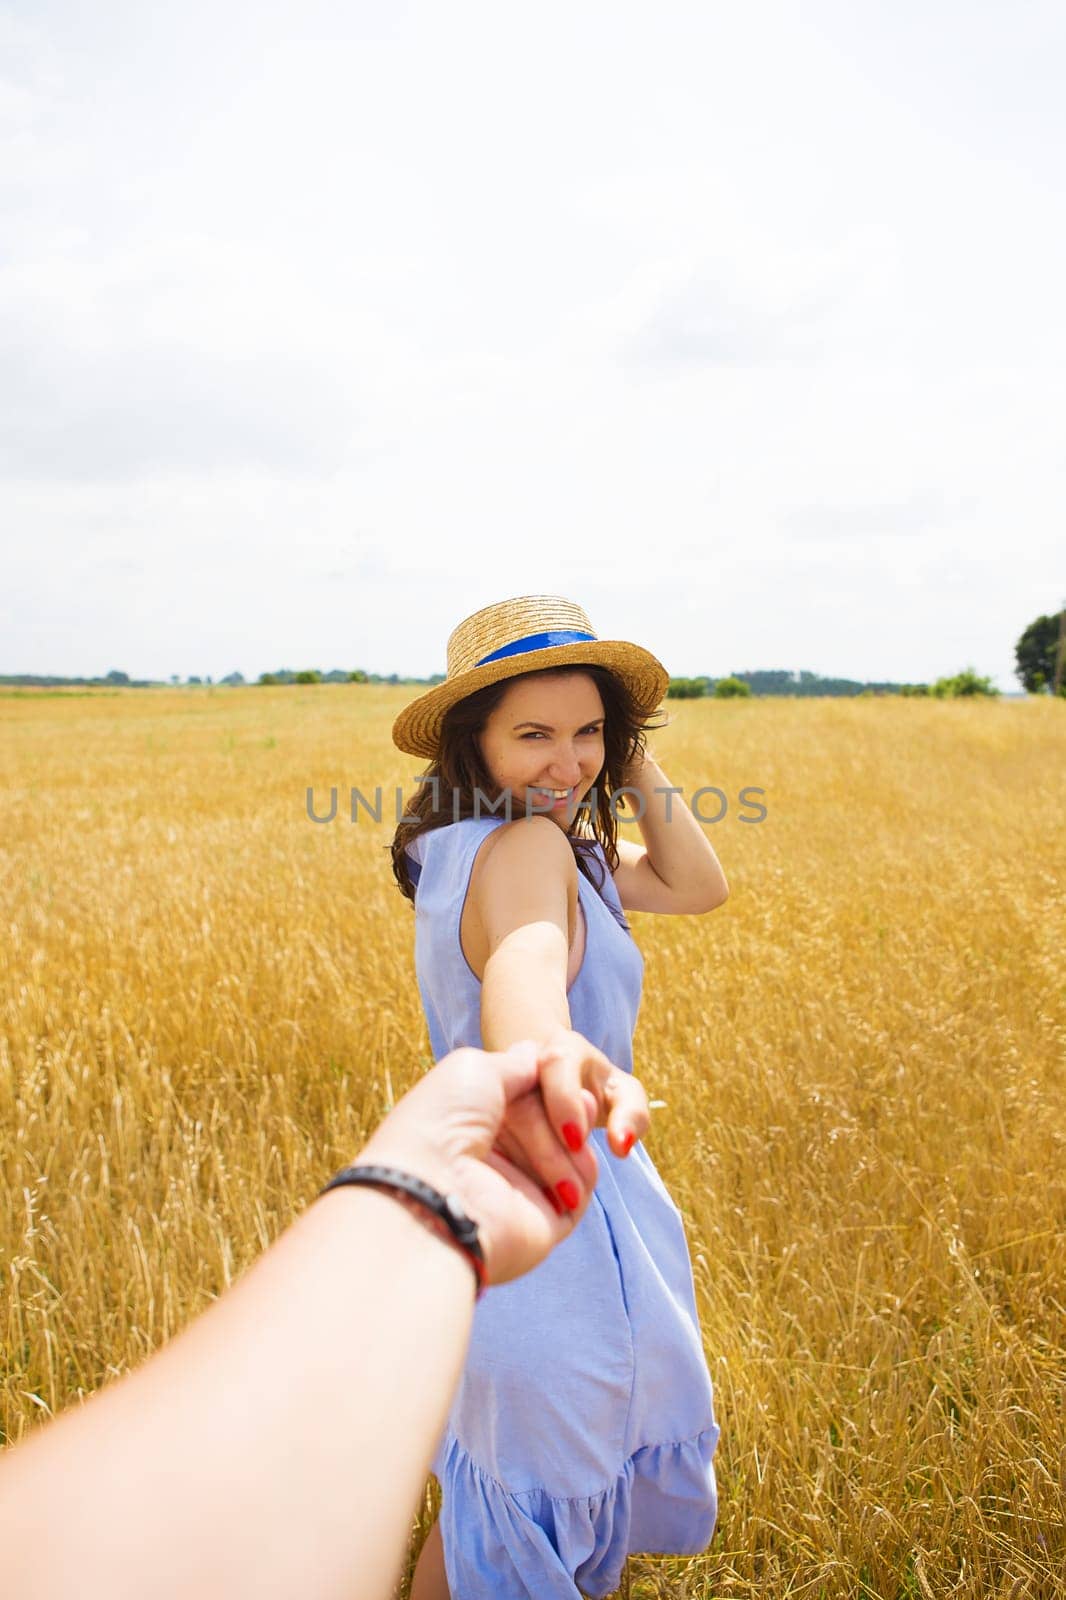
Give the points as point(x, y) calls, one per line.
point(507, 1131)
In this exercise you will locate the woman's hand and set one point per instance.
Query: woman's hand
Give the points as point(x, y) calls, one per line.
point(478, 1125)
point(582, 1090)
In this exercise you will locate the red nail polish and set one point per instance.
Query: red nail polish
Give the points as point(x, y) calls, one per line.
point(553, 1202)
point(572, 1135)
point(568, 1194)
point(628, 1142)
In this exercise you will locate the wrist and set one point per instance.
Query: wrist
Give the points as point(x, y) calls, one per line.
point(434, 1228)
point(402, 1260)
point(441, 1214)
point(427, 1162)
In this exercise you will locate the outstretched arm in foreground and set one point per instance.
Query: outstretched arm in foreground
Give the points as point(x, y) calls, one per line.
point(277, 1447)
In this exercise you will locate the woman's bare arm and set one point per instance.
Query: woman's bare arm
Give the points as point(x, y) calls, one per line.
point(521, 898)
point(675, 870)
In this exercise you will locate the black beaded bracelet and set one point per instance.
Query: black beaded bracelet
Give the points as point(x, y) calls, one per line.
point(446, 1208)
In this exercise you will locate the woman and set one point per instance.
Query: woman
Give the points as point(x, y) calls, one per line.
point(583, 1428)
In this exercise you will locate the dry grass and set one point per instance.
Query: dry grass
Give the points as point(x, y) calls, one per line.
point(205, 1000)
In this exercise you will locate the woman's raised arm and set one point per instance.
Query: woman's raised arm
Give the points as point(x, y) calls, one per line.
point(675, 870)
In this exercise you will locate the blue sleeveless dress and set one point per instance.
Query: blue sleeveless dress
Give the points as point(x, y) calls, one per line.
point(583, 1428)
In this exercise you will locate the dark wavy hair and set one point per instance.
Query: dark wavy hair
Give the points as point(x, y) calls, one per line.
point(459, 770)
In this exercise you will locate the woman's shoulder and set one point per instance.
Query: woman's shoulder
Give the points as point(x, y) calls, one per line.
point(537, 838)
point(522, 849)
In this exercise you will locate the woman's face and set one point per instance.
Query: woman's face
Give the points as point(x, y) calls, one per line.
point(544, 742)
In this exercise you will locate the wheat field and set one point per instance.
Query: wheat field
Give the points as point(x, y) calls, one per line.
point(207, 999)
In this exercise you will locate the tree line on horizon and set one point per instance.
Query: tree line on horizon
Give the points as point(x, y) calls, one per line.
point(800, 685)
point(1040, 667)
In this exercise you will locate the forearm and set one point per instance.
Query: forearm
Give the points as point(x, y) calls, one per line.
point(253, 1423)
point(677, 848)
point(523, 991)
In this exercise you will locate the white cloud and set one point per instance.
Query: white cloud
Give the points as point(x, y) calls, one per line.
point(321, 325)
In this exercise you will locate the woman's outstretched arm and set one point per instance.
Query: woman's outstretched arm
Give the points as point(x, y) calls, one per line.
point(277, 1446)
point(521, 898)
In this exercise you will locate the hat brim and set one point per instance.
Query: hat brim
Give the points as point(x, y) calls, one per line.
point(418, 727)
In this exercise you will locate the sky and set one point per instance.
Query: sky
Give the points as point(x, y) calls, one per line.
point(324, 324)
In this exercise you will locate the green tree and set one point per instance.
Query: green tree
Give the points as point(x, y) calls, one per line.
point(686, 688)
point(963, 684)
point(309, 675)
point(1035, 654)
point(267, 678)
point(358, 676)
point(732, 688)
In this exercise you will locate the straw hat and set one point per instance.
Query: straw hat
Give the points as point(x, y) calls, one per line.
point(517, 636)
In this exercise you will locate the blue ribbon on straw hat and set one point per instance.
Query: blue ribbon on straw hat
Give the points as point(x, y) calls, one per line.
point(522, 635)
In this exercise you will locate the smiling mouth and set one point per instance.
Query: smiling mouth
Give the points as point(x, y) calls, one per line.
point(556, 797)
